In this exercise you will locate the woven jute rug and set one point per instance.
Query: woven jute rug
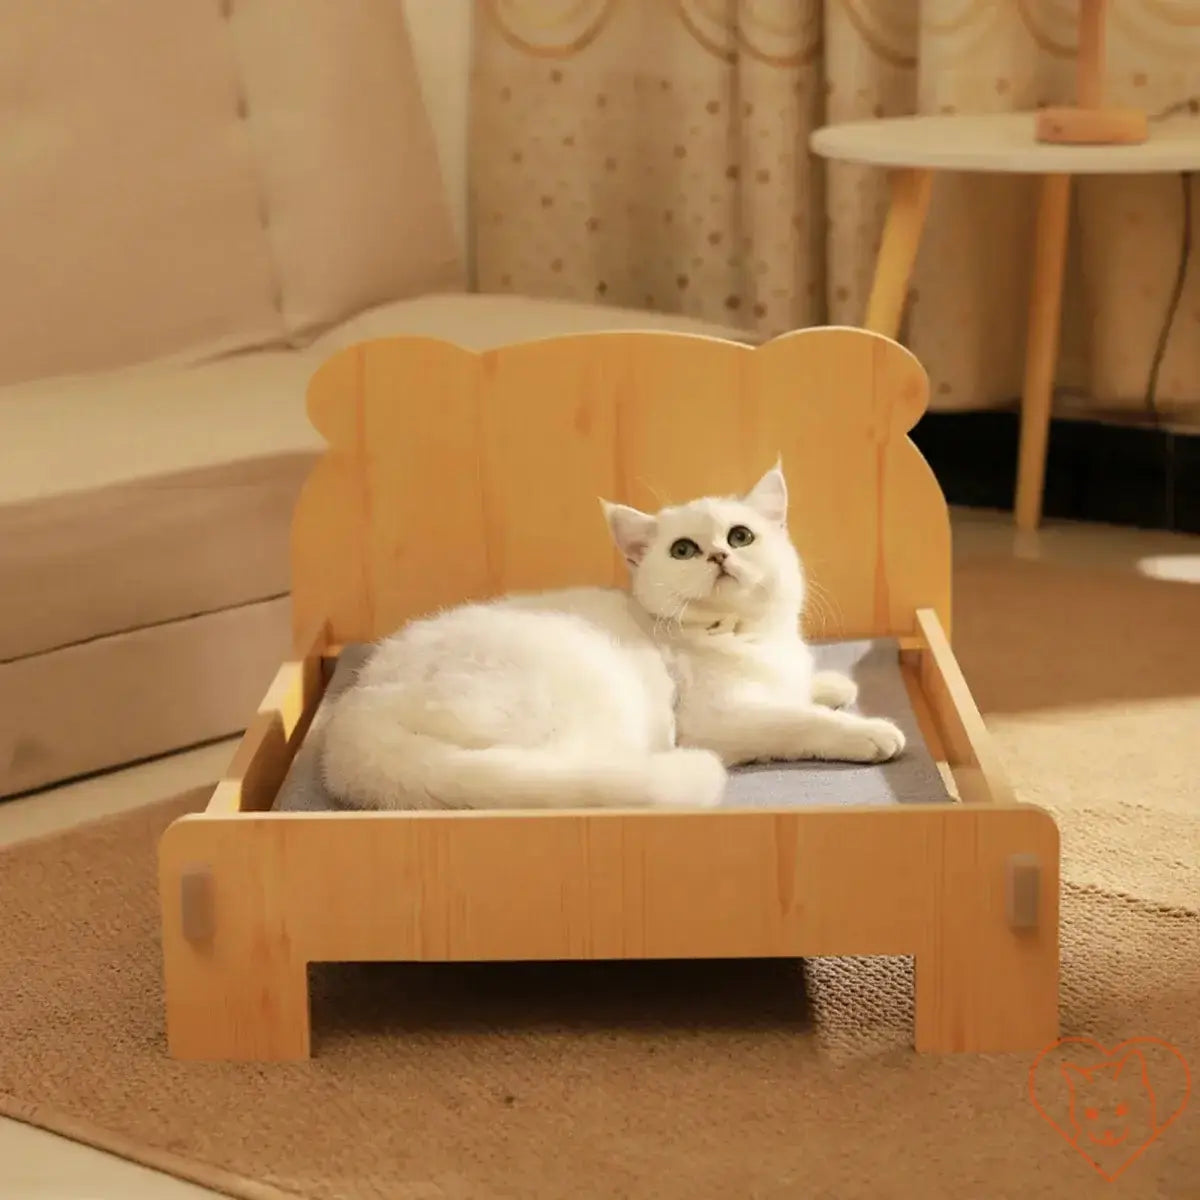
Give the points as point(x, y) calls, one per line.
point(683, 1081)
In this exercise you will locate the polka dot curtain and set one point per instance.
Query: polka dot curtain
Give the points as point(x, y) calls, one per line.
point(653, 154)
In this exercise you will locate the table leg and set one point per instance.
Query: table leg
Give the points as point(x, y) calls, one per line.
point(1041, 347)
point(907, 207)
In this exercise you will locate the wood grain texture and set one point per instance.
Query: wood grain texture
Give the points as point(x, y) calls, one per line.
point(926, 880)
point(274, 734)
point(453, 475)
point(961, 733)
point(1092, 126)
point(1091, 54)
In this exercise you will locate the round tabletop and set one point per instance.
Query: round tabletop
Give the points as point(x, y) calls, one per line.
point(1002, 142)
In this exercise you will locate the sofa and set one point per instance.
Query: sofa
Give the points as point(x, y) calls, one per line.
point(199, 202)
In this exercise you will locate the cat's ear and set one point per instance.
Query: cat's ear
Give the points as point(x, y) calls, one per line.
point(631, 530)
point(1131, 1064)
point(768, 497)
point(1074, 1075)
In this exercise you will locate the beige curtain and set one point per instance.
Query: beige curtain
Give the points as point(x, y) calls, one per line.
point(653, 153)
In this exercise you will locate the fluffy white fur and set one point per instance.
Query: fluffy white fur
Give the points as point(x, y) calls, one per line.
point(594, 697)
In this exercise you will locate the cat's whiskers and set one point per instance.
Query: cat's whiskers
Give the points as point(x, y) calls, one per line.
point(660, 499)
point(823, 605)
point(673, 616)
point(658, 613)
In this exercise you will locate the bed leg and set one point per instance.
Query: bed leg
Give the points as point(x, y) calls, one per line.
point(233, 990)
point(962, 1009)
point(987, 974)
point(236, 1012)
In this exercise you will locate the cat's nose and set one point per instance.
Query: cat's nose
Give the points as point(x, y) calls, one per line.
point(718, 557)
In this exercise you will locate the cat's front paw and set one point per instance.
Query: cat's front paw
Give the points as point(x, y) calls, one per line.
point(832, 690)
point(873, 740)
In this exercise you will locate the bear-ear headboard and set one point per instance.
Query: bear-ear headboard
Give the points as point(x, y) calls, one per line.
point(454, 475)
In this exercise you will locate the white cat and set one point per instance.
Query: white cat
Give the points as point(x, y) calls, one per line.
point(597, 697)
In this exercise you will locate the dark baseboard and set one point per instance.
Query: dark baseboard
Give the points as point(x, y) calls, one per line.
point(1095, 470)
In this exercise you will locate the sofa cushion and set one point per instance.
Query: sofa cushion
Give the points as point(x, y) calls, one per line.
point(482, 322)
point(129, 226)
point(139, 496)
point(202, 176)
point(352, 191)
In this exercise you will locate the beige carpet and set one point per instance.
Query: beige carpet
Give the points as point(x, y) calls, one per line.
point(679, 1081)
point(1090, 682)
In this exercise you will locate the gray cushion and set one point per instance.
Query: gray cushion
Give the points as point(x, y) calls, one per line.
point(913, 778)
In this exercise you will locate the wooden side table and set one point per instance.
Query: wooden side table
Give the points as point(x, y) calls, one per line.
point(913, 148)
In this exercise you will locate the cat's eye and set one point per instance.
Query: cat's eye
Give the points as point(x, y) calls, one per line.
point(739, 535)
point(684, 548)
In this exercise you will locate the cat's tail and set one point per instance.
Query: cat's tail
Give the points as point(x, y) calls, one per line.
point(395, 768)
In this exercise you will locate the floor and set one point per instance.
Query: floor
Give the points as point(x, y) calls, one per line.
point(39, 1166)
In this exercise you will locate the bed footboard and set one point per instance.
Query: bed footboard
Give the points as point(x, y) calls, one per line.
point(931, 881)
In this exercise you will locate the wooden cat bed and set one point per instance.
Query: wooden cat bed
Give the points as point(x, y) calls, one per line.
point(453, 475)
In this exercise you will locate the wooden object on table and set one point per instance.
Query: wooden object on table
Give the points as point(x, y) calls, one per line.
point(1088, 121)
point(1002, 143)
point(968, 887)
